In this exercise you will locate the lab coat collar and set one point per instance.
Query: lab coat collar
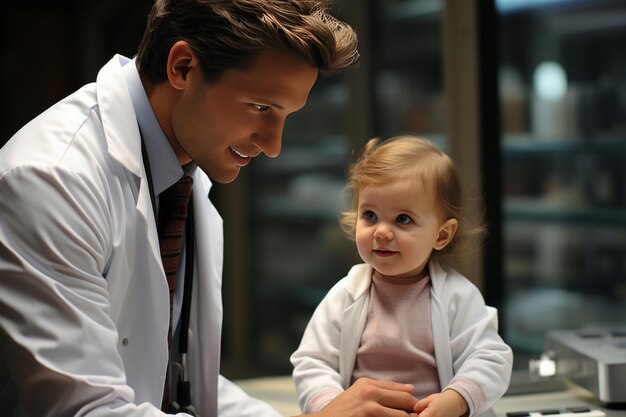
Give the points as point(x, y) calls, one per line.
point(158, 148)
point(118, 116)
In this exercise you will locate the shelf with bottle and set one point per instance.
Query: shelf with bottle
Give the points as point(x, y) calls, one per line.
point(569, 183)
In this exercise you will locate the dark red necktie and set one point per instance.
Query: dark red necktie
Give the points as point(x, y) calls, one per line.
point(173, 208)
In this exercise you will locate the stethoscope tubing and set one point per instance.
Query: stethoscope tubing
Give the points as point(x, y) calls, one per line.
point(183, 389)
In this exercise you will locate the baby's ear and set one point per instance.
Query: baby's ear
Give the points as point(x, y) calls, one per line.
point(446, 233)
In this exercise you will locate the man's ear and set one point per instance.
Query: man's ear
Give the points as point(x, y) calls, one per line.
point(446, 233)
point(179, 61)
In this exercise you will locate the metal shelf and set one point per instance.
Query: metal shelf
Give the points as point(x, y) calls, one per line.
point(584, 216)
point(526, 145)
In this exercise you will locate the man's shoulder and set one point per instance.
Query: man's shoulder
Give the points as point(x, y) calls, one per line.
point(49, 136)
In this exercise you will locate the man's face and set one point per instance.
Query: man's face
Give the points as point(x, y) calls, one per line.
point(221, 126)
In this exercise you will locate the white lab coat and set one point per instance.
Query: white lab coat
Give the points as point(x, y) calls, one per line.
point(84, 303)
point(465, 336)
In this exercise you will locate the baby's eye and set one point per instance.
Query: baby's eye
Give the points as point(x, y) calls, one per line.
point(369, 215)
point(404, 219)
point(261, 107)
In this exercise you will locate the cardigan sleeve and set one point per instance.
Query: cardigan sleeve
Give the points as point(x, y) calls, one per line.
point(479, 354)
point(316, 361)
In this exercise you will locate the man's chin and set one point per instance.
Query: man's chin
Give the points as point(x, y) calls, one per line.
point(224, 177)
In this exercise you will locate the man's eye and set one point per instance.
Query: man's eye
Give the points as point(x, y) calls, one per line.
point(404, 219)
point(261, 107)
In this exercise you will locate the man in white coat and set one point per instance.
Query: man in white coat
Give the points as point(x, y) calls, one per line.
point(84, 302)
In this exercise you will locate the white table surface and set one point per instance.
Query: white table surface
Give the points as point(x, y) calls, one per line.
point(280, 393)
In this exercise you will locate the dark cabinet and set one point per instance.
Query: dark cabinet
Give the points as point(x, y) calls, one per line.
point(562, 78)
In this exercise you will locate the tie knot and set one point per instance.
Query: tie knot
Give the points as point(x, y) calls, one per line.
point(181, 188)
point(173, 203)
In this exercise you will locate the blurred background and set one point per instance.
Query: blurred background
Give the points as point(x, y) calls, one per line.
point(528, 96)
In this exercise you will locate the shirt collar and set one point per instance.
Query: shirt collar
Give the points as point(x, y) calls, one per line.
point(158, 148)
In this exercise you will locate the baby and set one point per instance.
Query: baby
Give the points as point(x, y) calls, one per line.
point(401, 315)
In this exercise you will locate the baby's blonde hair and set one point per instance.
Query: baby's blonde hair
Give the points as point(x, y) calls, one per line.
point(410, 157)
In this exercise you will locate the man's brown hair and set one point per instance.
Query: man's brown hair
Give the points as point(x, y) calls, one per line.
point(227, 34)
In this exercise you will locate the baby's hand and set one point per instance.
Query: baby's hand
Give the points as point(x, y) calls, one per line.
point(446, 404)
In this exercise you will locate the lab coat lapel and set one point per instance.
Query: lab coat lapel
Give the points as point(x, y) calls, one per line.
point(124, 141)
point(118, 116)
point(353, 319)
point(440, 324)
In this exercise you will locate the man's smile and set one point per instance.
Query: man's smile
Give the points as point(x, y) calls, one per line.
point(239, 153)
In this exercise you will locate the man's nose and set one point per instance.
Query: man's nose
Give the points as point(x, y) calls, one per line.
point(270, 141)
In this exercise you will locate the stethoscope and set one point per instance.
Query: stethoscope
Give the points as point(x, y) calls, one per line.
point(182, 400)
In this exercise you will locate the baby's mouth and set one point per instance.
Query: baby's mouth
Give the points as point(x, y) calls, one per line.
point(384, 252)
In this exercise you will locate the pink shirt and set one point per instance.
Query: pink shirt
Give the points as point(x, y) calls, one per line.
point(397, 342)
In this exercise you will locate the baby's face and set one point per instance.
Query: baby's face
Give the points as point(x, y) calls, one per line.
point(398, 225)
